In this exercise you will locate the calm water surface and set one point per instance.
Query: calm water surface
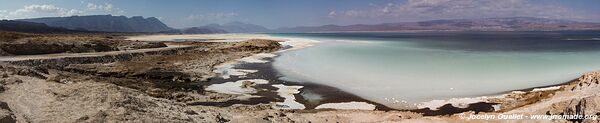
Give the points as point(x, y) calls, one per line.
point(392, 68)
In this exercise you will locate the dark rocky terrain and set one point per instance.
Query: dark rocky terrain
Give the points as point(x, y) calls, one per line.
point(23, 26)
point(13, 43)
point(104, 23)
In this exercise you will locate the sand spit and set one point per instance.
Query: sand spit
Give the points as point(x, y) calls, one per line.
point(347, 106)
point(296, 43)
point(237, 87)
point(226, 70)
point(288, 92)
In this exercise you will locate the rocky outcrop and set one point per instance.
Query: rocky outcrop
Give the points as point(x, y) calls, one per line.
point(36, 44)
point(585, 103)
point(588, 106)
point(4, 53)
point(585, 81)
point(5, 80)
point(6, 115)
point(164, 73)
point(34, 48)
point(141, 45)
point(188, 65)
point(60, 62)
point(269, 45)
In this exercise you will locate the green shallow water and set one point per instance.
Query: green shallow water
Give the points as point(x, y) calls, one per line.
point(393, 69)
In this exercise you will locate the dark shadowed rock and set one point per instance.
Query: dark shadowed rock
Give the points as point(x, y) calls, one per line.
point(23, 26)
point(6, 116)
point(33, 48)
point(104, 23)
point(141, 45)
point(4, 53)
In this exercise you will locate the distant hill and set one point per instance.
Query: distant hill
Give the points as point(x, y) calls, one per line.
point(195, 30)
point(486, 24)
point(104, 23)
point(233, 27)
point(236, 27)
point(22, 26)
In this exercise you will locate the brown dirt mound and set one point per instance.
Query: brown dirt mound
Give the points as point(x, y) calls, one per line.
point(12, 43)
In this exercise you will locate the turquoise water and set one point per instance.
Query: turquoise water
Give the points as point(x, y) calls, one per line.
point(414, 68)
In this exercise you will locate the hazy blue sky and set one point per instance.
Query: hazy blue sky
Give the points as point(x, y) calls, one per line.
point(284, 13)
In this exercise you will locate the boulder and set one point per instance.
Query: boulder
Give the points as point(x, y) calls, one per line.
point(588, 106)
point(2, 88)
point(247, 84)
point(3, 74)
point(6, 116)
point(4, 53)
point(10, 80)
point(259, 43)
point(141, 45)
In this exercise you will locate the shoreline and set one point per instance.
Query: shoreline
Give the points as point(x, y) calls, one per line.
point(331, 94)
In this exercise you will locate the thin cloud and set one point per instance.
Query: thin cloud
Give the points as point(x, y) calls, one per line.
point(106, 7)
point(52, 10)
point(332, 14)
point(44, 9)
point(3, 14)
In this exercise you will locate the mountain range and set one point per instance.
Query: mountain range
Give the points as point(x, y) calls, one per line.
point(22, 26)
point(486, 24)
point(232, 27)
point(104, 23)
point(237, 27)
point(109, 23)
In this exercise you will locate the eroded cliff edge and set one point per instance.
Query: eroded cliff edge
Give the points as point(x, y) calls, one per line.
point(146, 85)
